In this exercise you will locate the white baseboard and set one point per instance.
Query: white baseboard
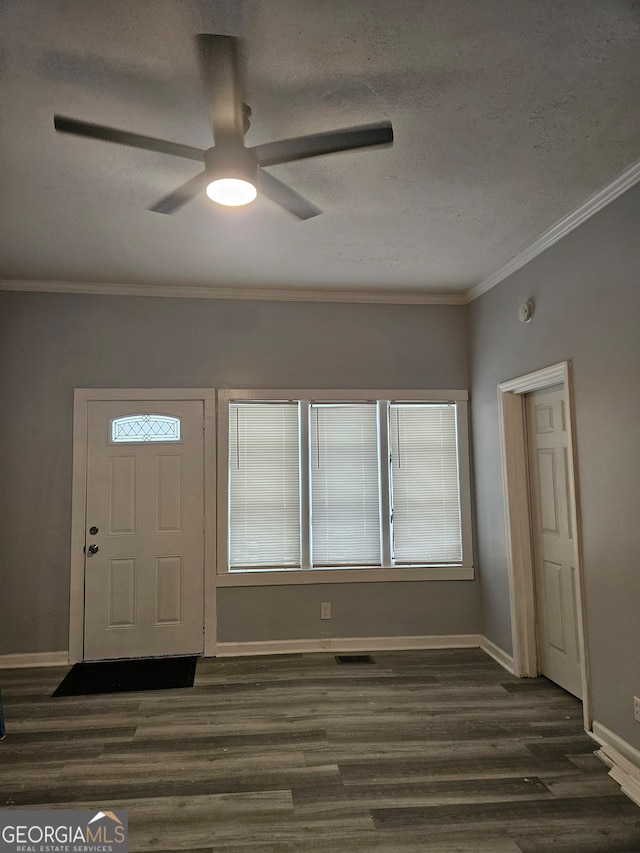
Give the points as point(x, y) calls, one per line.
point(34, 659)
point(505, 660)
point(348, 644)
point(621, 757)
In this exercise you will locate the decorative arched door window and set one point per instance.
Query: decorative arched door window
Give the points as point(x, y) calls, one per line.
point(145, 427)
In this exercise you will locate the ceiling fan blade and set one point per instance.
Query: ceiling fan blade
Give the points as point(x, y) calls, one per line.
point(174, 200)
point(221, 68)
point(301, 147)
point(124, 137)
point(285, 196)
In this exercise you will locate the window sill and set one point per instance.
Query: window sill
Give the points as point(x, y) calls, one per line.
point(293, 577)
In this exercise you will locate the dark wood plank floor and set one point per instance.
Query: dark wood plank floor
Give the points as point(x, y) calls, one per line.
point(420, 751)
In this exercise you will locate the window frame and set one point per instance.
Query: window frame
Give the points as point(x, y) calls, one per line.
point(288, 576)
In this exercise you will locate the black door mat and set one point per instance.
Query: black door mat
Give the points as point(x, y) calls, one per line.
point(354, 659)
point(124, 676)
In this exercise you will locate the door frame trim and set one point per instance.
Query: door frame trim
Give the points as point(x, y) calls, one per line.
point(520, 560)
point(81, 399)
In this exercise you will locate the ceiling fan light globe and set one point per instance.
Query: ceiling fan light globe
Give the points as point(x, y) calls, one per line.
point(232, 192)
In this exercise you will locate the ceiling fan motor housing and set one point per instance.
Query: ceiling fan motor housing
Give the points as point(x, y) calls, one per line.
point(231, 161)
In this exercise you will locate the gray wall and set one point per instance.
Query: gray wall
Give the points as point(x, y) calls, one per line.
point(53, 343)
point(587, 294)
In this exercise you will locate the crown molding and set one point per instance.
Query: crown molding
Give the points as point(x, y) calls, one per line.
point(564, 226)
point(385, 297)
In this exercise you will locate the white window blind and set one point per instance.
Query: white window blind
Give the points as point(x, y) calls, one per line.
point(324, 482)
point(264, 485)
point(425, 484)
point(345, 488)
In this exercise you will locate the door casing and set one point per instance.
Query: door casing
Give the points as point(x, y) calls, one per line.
point(82, 398)
point(520, 557)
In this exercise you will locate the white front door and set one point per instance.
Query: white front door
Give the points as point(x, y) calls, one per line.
point(144, 555)
point(553, 539)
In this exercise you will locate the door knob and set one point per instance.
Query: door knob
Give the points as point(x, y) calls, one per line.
point(92, 549)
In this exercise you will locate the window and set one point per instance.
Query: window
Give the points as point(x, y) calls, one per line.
point(145, 427)
point(332, 481)
point(345, 485)
point(425, 483)
point(264, 485)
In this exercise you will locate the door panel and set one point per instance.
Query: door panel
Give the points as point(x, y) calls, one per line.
point(546, 470)
point(169, 494)
point(122, 494)
point(169, 591)
point(144, 583)
point(121, 593)
point(553, 540)
point(553, 611)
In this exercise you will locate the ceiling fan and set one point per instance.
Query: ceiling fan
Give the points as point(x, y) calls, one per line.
point(234, 174)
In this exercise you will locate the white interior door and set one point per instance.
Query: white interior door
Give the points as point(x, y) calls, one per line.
point(553, 539)
point(144, 554)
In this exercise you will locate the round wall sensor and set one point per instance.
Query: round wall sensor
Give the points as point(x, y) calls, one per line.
point(525, 312)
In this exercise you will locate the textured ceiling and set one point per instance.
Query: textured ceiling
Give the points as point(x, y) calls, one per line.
point(507, 116)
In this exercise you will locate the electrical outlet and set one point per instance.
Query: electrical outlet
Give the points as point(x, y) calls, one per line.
point(636, 708)
point(325, 610)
